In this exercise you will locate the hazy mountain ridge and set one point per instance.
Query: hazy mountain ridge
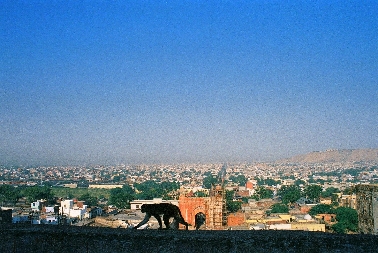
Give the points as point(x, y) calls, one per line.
point(335, 156)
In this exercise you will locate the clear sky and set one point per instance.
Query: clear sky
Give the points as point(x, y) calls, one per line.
point(185, 81)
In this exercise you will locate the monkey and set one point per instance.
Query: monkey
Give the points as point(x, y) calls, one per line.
point(200, 219)
point(166, 209)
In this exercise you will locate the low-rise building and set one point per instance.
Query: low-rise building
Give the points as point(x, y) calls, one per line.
point(104, 186)
point(68, 208)
point(37, 205)
point(307, 226)
point(347, 200)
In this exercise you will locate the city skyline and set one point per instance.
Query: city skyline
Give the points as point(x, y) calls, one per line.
point(148, 82)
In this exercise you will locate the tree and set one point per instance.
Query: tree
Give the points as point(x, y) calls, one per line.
point(240, 180)
point(262, 193)
point(313, 192)
point(347, 214)
point(279, 208)
point(151, 189)
point(116, 179)
point(232, 206)
point(268, 181)
point(121, 197)
point(349, 191)
point(311, 180)
point(334, 199)
point(148, 190)
point(340, 227)
point(272, 182)
point(289, 194)
point(209, 181)
point(347, 220)
point(329, 192)
point(89, 200)
point(322, 208)
point(34, 193)
point(168, 188)
point(9, 193)
point(299, 182)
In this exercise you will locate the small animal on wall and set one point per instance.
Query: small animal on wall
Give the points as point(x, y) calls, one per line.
point(167, 210)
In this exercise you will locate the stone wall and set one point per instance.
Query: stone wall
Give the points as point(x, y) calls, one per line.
point(235, 219)
point(367, 208)
point(190, 206)
point(48, 238)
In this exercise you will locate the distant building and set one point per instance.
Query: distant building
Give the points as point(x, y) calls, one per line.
point(70, 185)
point(329, 218)
point(347, 200)
point(308, 227)
point(104, 186)
point(68, 208)
point(37, 205)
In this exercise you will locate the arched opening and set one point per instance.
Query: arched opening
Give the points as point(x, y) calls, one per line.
point(200, 220)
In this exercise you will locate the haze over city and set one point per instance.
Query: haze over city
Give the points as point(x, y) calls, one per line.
point(185, 81)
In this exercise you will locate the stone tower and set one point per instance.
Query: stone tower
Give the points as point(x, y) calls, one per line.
point(367, 208)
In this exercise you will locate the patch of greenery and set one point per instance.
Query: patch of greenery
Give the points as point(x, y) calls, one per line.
point(279, 208)
point(69, 193)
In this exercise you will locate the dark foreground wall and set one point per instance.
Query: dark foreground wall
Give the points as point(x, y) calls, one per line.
point(48, 238)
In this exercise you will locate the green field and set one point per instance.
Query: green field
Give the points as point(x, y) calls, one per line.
point(77, 192)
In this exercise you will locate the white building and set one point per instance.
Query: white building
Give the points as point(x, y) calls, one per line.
point(37, 205)
point(49, 209)
point(68, 208)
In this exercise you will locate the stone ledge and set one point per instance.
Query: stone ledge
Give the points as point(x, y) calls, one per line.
point(49, 238)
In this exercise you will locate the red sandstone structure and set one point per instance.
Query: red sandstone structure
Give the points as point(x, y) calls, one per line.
point(214, 207)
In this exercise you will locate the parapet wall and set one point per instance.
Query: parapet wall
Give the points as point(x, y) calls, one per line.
point(48, 238)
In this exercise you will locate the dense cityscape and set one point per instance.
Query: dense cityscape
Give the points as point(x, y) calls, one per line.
point(188, 174)
point(256, 195)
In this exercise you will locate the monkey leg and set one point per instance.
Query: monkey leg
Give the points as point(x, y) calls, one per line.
point(166, 220)
point(182, 221)
point(144, 221)
point(157, 216)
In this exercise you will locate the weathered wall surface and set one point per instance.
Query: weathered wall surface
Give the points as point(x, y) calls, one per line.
point(367, 208)
point(189, 207)
point(235, 219)
point(45, 238)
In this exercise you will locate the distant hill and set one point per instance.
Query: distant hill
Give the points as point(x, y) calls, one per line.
point(335, 156)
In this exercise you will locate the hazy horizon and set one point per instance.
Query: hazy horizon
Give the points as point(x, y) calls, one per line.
point(185, 81)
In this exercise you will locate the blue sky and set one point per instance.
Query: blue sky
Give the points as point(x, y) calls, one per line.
point(85, 82)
